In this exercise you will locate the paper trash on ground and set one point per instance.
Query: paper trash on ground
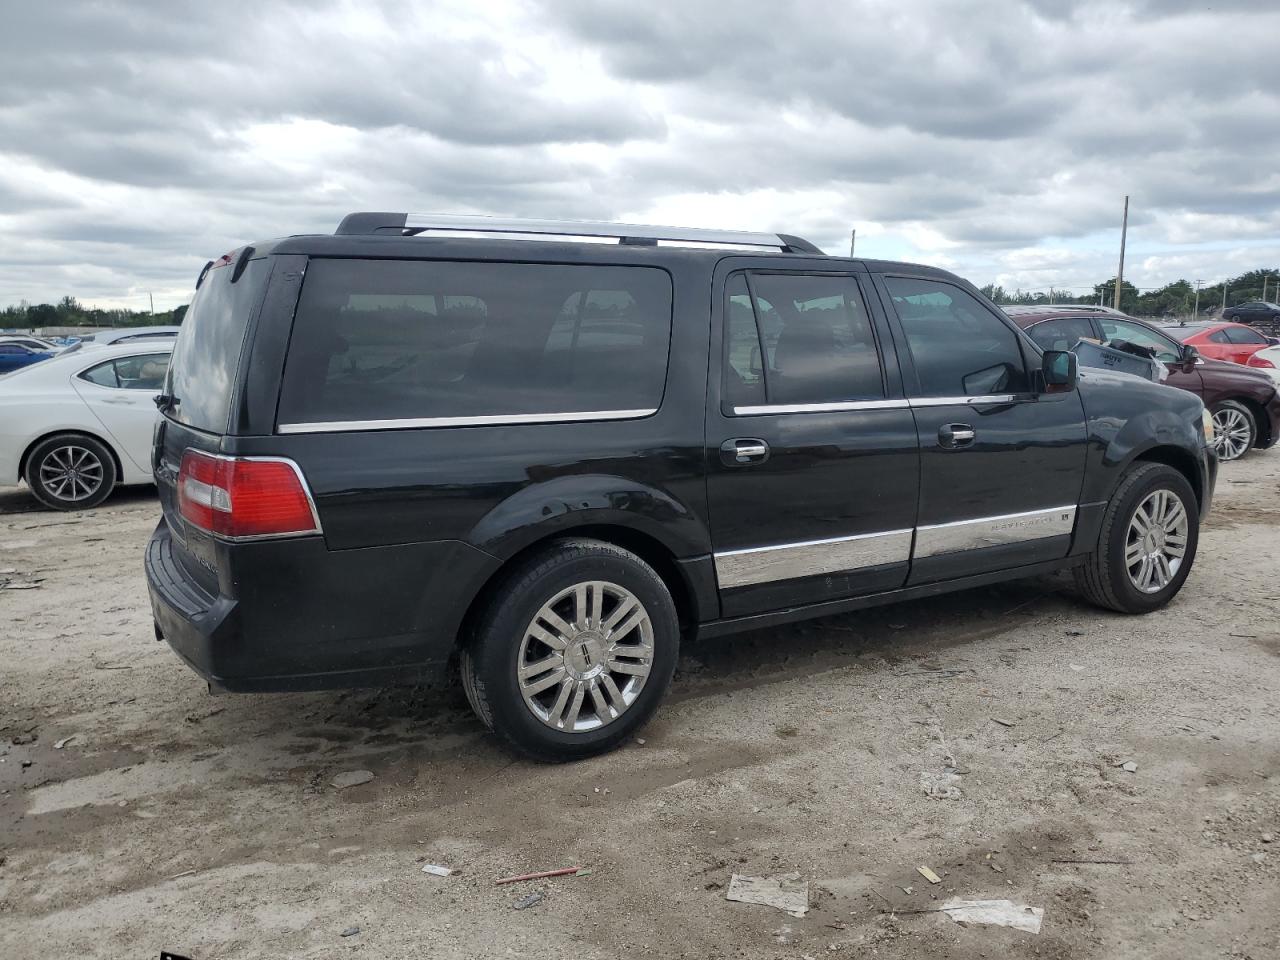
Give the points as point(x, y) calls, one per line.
point(1001, 913)
point(786, 892)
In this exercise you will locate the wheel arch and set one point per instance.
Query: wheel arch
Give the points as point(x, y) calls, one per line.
point(689, 599)
point(1177, 458)
point(74, 432)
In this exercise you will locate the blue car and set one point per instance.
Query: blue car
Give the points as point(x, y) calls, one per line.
point(14, 356)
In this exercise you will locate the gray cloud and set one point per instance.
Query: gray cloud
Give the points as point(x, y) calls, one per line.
point(139, 139)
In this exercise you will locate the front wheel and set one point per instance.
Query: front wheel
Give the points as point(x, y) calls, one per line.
point(575, 652)
point(1148, 541)
point(1234, 430)
point(71, 472)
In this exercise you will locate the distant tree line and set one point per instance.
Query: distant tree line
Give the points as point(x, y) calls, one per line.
point(1173, 299)
point(68, 312)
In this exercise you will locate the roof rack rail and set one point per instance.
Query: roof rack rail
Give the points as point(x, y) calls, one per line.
point(431, 225)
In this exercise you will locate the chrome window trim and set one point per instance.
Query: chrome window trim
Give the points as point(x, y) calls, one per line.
point(830, 407)
point(408, 423)
point(951, 401)
point(806, 558)
point(974, 534)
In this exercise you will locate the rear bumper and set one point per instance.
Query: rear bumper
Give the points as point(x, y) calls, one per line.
point(308, 618)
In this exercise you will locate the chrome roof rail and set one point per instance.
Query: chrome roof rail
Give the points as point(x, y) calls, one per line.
point(432, 225)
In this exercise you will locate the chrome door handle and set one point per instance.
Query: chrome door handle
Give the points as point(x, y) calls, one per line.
point(745, 450)
point(953, 435)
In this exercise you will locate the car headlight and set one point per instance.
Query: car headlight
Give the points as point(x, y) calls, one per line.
point(1206, 424)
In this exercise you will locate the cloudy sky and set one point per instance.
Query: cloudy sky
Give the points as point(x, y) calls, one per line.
point(995, 138)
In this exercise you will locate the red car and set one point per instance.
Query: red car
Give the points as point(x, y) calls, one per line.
point(1220, 340)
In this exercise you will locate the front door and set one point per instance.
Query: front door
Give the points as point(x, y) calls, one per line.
point(1002, 462)
point(813, 463)
point(121, 393)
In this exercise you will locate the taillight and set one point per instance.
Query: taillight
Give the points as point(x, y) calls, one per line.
point(1257, 361)
point(245, 497)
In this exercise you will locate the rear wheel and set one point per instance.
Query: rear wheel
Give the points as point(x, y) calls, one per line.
point(1234, 430)
point(71, 472)
point(1148, 541)
point(575, 653)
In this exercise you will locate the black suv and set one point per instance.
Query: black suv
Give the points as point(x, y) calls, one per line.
point(553, 450)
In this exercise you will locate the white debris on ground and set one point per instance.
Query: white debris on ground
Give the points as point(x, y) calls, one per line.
point(1000, 913)
point(787, 892)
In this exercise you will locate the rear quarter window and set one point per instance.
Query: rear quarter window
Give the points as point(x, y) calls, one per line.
point(391, 340)
point(206, 355)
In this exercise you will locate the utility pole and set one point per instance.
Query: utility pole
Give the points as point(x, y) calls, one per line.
point(1195, 314)
point(1124, 233)
point(1264, 288)
point(1224, 294)
point(153, 302)
point(853, 238)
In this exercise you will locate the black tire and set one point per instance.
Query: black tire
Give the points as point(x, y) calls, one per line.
point(71, 471)
point(1105, 579)
point(491, 656)
point(1243, 425)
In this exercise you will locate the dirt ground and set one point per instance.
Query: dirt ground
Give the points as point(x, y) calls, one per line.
point(851, 750)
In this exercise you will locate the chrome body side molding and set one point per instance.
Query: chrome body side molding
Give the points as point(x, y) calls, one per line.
point(787, 561)
point(993, 531)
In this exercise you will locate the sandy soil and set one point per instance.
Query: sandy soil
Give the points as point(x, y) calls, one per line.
point(207, 826)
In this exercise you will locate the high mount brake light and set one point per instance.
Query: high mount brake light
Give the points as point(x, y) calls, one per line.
point(245, 497)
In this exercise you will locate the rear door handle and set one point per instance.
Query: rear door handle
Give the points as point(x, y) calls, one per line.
point(954, 435)
point(744, 450)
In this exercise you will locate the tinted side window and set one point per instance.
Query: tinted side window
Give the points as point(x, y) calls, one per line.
point(10, 349)
point(744, 368)
point(1244, 335)
point(1060, 334)
point(803, 339)
point(1166, 350)
point(408, 340)
point(1219, 336)
point(959, 347)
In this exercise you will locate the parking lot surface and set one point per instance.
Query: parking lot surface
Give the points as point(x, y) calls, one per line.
point(983, 735)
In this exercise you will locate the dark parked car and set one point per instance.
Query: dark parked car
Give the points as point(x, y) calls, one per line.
point(395, 446)
point(1244, 404)
point(1258, 313)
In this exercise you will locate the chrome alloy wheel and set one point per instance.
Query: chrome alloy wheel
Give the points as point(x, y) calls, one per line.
point(71, 473)
point(1157, 541)
point(1232, 433)
point(585, 656)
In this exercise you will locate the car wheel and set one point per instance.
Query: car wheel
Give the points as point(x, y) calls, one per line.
point(574, 653)
point(1147, 544)
point(1234, 430)
point(71, 472)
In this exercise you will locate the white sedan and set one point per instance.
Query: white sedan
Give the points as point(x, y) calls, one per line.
point(78, 424)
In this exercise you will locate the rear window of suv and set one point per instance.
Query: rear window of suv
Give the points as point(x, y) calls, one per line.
point(210, 341)
point(415, 340)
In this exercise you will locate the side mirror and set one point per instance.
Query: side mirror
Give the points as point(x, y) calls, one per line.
point(1190, 356)
point(1060, 369)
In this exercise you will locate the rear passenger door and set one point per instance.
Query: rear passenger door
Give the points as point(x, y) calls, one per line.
point(1002, 462)
point(813, 466)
